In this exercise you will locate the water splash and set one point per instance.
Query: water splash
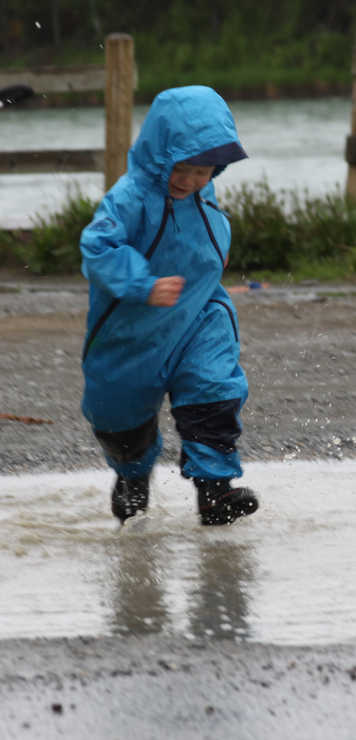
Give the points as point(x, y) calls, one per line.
point(162, 572)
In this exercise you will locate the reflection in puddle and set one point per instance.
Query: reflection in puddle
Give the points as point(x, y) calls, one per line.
point(165, 583)
point(284, 575)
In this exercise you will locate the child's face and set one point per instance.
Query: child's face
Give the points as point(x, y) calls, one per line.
point(187, 179)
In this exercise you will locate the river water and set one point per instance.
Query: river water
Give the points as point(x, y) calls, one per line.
point(285, 575)
point(293, 144)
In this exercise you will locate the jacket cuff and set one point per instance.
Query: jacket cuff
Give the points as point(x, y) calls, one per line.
point(140, 292)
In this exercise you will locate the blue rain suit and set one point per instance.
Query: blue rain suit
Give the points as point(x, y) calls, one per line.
point(136, 353)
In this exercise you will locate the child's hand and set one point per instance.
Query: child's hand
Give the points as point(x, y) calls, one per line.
point(166, 291)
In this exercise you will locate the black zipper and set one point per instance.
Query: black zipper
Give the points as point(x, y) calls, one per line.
point(198, 201)
point(168, 208)
point(216, 208)
point(98, 325)
point(222, 303)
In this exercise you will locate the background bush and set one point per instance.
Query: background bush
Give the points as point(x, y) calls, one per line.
point(53, 244)
point(290, 232)
point(272, 233)
point(235, 47)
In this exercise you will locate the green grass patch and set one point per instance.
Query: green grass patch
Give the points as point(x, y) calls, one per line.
point(287, 234)
point(276, 237)
point(52, 246)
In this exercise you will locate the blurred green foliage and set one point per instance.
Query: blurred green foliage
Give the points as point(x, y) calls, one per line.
point(273, 234)
point(52, 246)
point(233, 47)
point(291, 232)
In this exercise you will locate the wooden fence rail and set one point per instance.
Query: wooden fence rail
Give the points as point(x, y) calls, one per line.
point(56, 160)
point(120, 81)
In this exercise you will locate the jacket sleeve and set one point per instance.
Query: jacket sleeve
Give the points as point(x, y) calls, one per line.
point(110, 261)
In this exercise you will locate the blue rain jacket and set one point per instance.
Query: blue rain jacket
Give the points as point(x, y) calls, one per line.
point(134, 352)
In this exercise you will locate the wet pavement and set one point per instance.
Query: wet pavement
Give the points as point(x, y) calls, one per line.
point(285, 575)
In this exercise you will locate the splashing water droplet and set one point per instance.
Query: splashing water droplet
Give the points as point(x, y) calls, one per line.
point(336, 441)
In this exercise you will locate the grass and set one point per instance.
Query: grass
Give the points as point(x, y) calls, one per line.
point(276, 237)
point(337, 294)
point(51, 247)
point(65, 55)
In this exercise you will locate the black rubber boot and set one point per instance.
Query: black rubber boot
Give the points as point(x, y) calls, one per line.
point(129, 496)
point(220, 504)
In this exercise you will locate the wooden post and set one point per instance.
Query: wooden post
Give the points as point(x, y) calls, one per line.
point(351, 140)
point(119, 50)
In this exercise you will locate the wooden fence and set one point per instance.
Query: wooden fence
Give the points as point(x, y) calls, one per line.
point(119, 85)
point(351, 140)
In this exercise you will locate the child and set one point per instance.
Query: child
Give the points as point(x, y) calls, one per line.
point(159, 321)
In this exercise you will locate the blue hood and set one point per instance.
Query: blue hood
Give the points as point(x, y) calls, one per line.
point(182, 124)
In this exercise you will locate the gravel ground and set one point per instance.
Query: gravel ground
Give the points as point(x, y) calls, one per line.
point(172, 690)
point(298, 349)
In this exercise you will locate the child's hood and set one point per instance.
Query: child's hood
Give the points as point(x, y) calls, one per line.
point(182, 123)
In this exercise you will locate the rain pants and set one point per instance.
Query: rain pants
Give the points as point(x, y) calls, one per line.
point(135, 353)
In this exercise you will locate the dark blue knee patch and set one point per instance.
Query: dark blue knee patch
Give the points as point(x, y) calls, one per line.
point(214, 424)
point(130, 444)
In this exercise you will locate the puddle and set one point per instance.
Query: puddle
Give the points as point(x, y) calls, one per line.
point(285, 575)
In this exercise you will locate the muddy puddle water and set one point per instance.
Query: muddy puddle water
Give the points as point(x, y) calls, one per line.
point(284, 575)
